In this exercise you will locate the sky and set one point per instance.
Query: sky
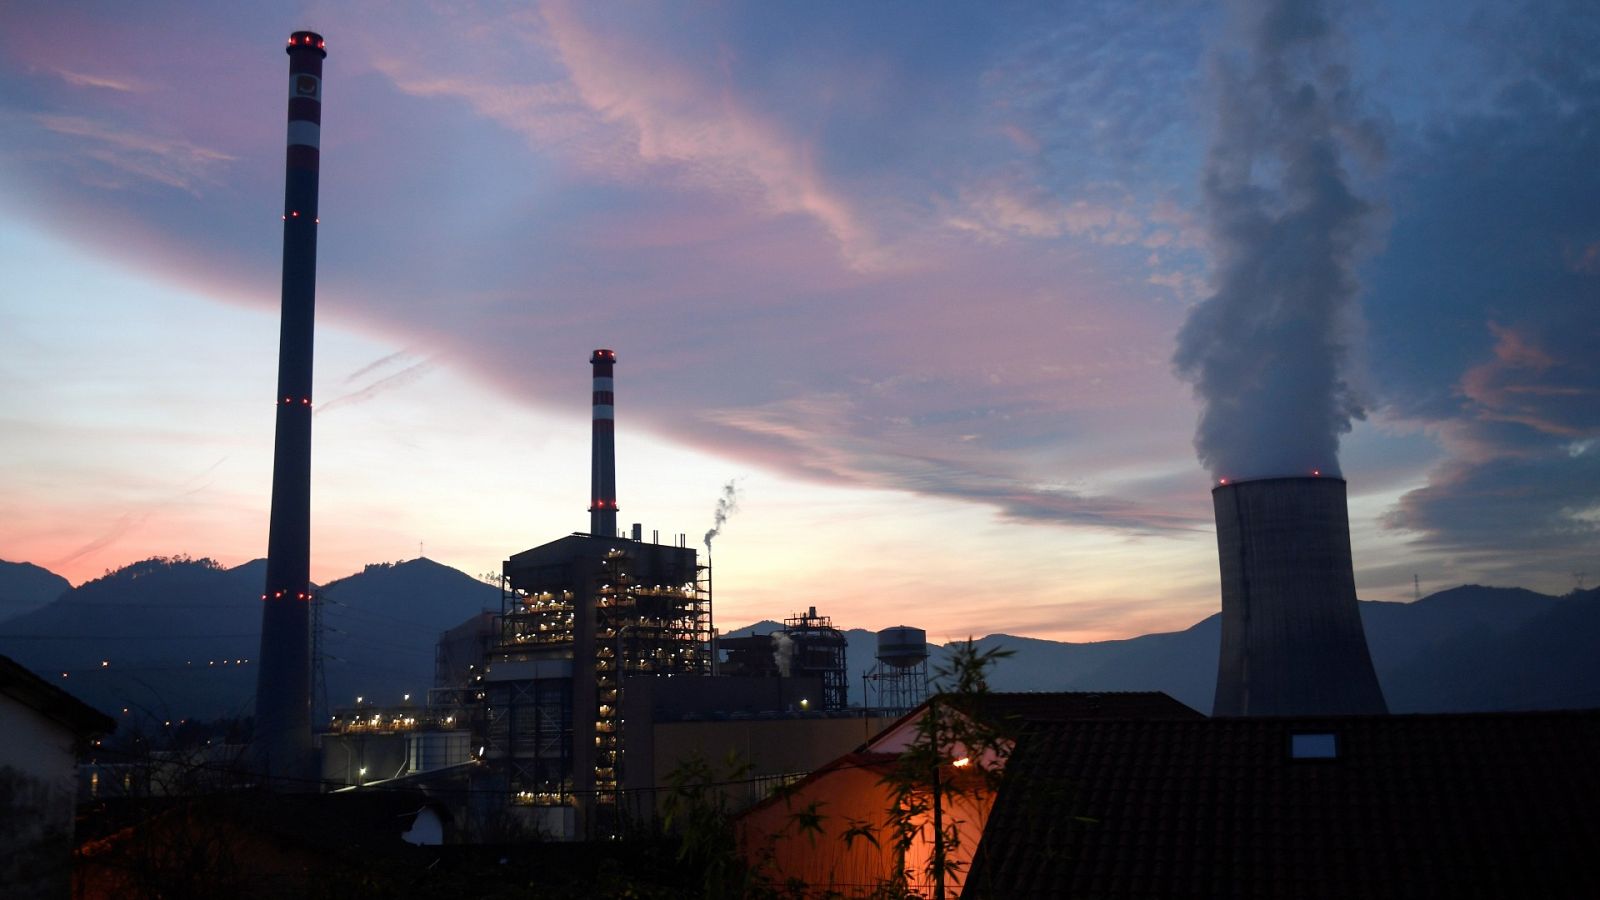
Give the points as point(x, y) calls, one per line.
point(970, 302)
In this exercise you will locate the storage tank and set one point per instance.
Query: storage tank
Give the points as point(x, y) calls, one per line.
point(902, 647)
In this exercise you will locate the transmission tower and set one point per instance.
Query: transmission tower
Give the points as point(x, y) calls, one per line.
point(319, 680)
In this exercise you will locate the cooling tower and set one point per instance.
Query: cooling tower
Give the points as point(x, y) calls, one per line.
point(1292, 641)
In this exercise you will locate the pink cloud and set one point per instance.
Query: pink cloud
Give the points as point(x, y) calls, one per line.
point(82, 79)
point(1527, 385)
point(677, 116)
point(170, 162)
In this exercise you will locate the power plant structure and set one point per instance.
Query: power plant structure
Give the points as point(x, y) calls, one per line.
point(1292, 639)
point(898, 683)
point(598, 673)
point(808, 646)
point(282, 745)
point(813, 647)
point(581, 618)
point(566, 711)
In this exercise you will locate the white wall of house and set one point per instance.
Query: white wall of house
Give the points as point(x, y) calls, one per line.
point(38, 789)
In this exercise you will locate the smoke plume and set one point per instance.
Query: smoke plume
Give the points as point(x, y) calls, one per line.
point(1267, 352)
point(783, 653)
point(727, 505)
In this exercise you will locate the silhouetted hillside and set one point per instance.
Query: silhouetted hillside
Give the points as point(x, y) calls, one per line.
point(1467, 648)
point(179, 637)
point(383, 623)
point(173, 637)
point(25, 587)
point(1545, 661)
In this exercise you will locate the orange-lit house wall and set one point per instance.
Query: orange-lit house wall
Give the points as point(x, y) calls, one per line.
point(846, 795)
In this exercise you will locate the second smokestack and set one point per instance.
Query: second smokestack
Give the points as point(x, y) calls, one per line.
point(603, 461)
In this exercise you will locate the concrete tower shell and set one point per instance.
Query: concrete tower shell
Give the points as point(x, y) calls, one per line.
point(282, 741)
point(1292, 640)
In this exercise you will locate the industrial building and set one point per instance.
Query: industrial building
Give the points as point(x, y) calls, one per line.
point(583, 616)
point(808, 646)
point(564, 713)
point(596, 678)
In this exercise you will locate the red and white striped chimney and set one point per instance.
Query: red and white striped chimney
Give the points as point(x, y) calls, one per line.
point(603, 461)
point(282, 742)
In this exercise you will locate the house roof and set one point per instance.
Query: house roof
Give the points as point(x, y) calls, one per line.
point(1012, 710)
point(1040, 706)
point(20, 684)
point(1483, 805)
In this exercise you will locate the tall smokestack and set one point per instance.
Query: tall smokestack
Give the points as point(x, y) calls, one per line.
point(603, 460)
point(1292, 641)
point(283, 690)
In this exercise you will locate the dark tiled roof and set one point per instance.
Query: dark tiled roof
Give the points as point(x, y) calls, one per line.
point(1013, 709)
point(1079, 705)
point(17, 682)
point(1488, 805)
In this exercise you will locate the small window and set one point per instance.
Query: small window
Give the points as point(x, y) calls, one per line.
point(1313, 746)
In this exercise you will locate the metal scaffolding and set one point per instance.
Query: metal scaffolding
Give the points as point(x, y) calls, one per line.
point(818, 649)
point(640, 630)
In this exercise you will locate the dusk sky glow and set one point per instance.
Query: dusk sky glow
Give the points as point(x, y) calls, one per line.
point(913, 275)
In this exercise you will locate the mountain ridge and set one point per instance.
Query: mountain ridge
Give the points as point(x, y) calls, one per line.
point(186, 632)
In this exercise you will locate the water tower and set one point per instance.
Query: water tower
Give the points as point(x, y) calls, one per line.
point(899, 682)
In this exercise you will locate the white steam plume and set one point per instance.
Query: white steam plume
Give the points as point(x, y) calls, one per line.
point(1268, 351)
point(783, 653)
point(727, 505)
